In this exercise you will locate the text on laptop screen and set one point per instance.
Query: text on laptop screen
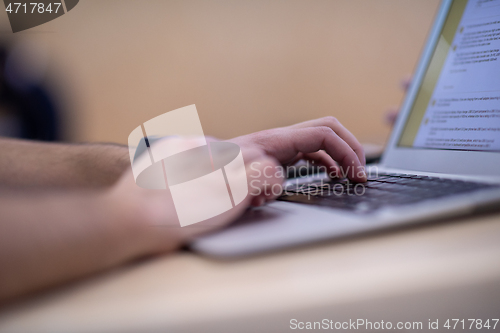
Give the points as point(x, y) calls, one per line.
point(458, 104)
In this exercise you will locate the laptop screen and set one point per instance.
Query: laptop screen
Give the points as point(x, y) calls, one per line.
point(458, 104)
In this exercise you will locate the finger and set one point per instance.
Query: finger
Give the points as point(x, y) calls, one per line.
point(312, 139)
point(321, 158)
point(318, 159)
point(296, 159)
point(285, 143)
point(341, 131)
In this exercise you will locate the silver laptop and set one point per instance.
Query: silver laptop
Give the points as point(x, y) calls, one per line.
point(442, 159)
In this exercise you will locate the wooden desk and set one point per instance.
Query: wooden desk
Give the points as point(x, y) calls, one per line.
point(440, 271)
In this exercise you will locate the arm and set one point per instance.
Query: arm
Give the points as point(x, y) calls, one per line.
point(35, 164)
point(68, 234)
point(51, 237)
point(62, 236)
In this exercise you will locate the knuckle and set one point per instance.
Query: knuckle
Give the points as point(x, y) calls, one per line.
point(325, 130)
point(331, 120)
point(357, 146)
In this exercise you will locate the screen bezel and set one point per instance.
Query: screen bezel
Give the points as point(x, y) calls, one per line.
point(458, 162)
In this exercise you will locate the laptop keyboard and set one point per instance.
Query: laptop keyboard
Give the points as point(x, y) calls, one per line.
point(378, 192)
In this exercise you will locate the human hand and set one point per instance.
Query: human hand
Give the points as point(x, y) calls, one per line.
point(323, 140)
point(152, 214)
point(105, 226)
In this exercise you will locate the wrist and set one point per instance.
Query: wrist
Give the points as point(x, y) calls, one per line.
point(147, 217)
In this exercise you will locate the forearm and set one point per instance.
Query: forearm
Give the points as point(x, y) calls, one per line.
point(51, 237)
point(48, 239)
point(34, 164)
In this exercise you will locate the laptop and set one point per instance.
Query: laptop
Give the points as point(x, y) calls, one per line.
point(442, 159)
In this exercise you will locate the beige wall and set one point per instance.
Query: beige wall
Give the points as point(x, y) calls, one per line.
point(247, 65)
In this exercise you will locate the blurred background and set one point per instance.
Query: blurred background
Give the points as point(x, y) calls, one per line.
point(102, 69)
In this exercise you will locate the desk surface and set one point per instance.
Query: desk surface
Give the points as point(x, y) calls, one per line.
point(439, 271)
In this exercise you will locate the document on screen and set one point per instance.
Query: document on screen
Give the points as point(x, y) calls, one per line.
point(463, 112)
